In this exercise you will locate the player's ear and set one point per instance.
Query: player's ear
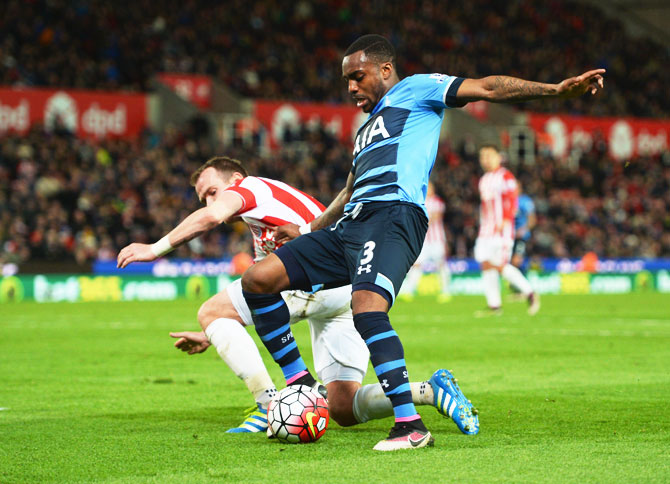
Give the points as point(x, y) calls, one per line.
point(387, 70)
point(234, 176)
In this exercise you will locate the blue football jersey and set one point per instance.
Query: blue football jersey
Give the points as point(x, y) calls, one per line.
point(526, 207)
point(395, 149)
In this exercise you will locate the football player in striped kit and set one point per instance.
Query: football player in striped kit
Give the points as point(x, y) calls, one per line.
point(498, 192)
point(340, 355)
point(433, 256)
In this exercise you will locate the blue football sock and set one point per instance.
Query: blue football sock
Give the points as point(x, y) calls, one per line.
point(388, 359)
point(271, 319)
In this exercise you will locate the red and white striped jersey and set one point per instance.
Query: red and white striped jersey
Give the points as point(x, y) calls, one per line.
point(267, 204)
point(498, 194)
point(435, 208)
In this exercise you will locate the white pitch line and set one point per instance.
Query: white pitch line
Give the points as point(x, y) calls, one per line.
point(438, 318)
point(578, 332)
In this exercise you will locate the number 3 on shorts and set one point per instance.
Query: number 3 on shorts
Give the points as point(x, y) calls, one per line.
point(368, 253)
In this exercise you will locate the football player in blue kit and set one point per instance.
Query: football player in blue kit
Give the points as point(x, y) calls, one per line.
point(373, 231)
point(524, 222)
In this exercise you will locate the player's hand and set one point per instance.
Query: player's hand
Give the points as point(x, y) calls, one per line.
point(591, 81)
point(191, 342)
point(287, 232)
point(135, 253)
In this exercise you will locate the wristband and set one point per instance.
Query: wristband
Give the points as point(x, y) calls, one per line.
point(161, 247)
point(305, 229)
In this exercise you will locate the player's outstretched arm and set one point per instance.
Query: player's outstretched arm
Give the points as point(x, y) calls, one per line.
point(197, 223)
point(329, 216)
point(191, 342)
point(505, 89)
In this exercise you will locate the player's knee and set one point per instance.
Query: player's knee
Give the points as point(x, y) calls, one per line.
point(341, 402)
point(253, 281)
point(206, 315)
point(266, 277)
point(213, 309)
point(485, 266)
point(341, 411)
point(363, 301)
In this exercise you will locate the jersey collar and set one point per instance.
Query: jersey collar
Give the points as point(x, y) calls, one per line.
point(385, 101)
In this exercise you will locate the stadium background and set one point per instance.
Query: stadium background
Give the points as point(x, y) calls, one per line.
point(101, 124)
point(105, 110)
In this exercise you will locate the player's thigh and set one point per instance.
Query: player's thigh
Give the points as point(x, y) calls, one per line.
point(267, 276)
point(489, 249)
point(424, 256)
point(320, 255)
point(228, 303)
point(320, 304)
point(330, 303)
point(506, 247)
point(383, 245)
point(482, 249)
point(432, 256)
point(340, 354)
point(325, 304)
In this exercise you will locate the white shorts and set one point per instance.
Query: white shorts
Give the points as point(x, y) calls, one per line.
point(494, 250)
point(339, 351)
point(432, 256)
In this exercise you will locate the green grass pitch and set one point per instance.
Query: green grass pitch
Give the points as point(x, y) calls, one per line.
point(580, 393)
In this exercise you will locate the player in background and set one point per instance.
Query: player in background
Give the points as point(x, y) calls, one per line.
point(340, 355)
point(493, 249)
point(433, 256)
point(373, 231)
point(524, 222)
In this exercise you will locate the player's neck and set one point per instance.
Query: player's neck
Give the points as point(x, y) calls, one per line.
point(388, 85)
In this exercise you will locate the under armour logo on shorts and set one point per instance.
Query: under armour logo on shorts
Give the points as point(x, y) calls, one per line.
point(367, 269)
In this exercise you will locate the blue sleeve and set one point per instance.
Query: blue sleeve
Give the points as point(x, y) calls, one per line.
point(530, 205)
point(437, 91)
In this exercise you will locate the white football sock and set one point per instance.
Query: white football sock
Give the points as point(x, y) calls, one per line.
point(491, 280)
point(422, 393)
point(411, 281)
point(517, 279)
point(237, 348)
point(445, 279)
point(370, 403)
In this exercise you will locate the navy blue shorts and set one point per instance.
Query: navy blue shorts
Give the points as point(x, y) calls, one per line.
point(519, 248)
point(376, 248)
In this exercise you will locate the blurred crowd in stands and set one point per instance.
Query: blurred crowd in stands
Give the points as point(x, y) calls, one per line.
point(63, 198)
point(588, 204)
point(292, 50)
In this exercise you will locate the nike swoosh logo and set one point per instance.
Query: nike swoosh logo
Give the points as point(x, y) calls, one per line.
point(416, 443)
point(310, 422)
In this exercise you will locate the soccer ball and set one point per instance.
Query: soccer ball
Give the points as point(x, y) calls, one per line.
point(298, 414)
